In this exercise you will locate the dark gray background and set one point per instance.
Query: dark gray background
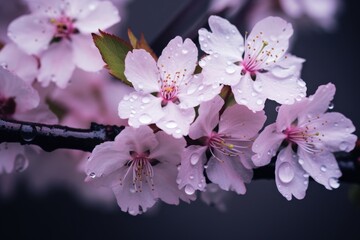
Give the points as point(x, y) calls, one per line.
point(262, 213)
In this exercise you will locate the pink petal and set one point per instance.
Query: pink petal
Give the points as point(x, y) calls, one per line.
point(176, 121)
point(106, 158)
point(335, 132)
point(40, 114)
point(59, 54)
point(12, 158)
point(282, 90)
point(288, 66)
point(18, 62)
point(239, 122)
point(291, 179)
point(26, 97)
point(322, 167)
point(166, 187)
point(196, 92)
point(140, 109)
point(86, 55)
point(141, 71)
point(224, 39)
point(169, 149)
point(319, 102)
point(133, 202)
point(178, 59)
point(266, 145)
point(208, 118)
point(191, 172)
point(230, 174)
point(218, 70)
point(246, 93)
point(139, 140)
point(32, 33)
point(273, 30)
point(100, 15)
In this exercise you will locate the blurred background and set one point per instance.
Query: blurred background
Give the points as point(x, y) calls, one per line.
point(327, 35)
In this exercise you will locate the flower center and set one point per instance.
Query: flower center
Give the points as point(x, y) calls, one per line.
point(64, 27)
point(254, 58)
point(142, 171)
point(305, 137)
point(7, 107)
point(226, 145)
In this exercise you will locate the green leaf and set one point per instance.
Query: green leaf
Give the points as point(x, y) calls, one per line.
point(113, 51)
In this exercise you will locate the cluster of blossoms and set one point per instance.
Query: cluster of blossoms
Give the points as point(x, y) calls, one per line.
point(191, 124)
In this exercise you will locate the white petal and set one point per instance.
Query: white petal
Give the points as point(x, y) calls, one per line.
point(176, 121)
point(86, 55)
point(178, 60)
point(140, 109)
point(32, 33)
point(57, 64)
point(224, 39)
point(18, 62)
point(291, 179)
point(141, 71)
point(100, 15)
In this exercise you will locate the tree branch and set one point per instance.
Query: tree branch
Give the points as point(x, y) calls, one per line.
point(51, 137)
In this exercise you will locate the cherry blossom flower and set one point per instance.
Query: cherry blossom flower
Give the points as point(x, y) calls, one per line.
point(140, 167)
point(230, 163)
point(177, 90)
point(59, 33)
point(256, 69)
point(312, 135)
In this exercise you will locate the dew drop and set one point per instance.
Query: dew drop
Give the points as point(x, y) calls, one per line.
point(184, 51)
point(206, 166)
point(191, 177)
point(200, 185)
point(323, 168)
point(258, 86)
point(189, 190)
point(132, 190)
point(259, 102)
point(277, 108)
point(201, 38)
point(333, 182)
point(20, 163)
point(202, 63)
point(331, 106)
point(145, 118)
point(28, 132)
point(145, 100)
point(286, 172)
point(343, 146)
point(306, 175)
point(92, 175)
point(194, 158)
point(171, 124)
point(300, 161)
point(230, 70)
point(301, 83)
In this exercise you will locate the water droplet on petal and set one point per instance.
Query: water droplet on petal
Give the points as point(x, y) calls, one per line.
point(323, 168)
point(194, 158)
point(258, 86)
point(28, 132)
point(145, 118)
point(201, 38)
point(206, 166)
point(184, 51)
point(306, 175)
point(301, 83)
point(343, 146)
point(171, 124)
point(333, 182)
point(277, 108)
point(331, 106)
point(191, 177)
point(230, 70)
point(189, 190)
point(286, 172)
point(300, 161)
point(92, 175)
point(145, 100)
point(132, 190)
point(259, 102)
point(202, 63)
